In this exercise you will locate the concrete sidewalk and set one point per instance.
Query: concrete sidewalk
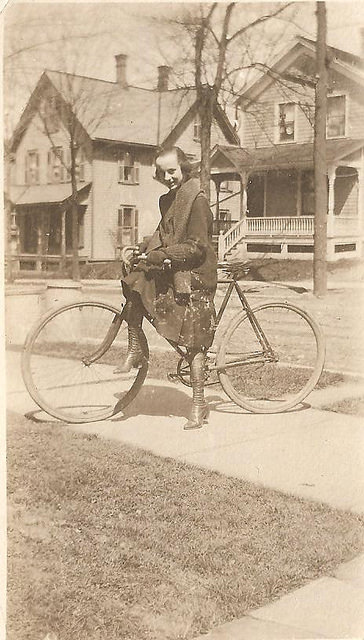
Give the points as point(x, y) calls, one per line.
point(331, 607)
point(310, 453)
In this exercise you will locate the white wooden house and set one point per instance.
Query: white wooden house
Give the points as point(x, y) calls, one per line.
point(266, 203)
point(119, 128)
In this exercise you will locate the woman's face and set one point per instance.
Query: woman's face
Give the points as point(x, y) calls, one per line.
point(168, 170)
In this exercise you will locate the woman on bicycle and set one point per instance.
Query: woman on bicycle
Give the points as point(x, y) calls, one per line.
point(179, 299)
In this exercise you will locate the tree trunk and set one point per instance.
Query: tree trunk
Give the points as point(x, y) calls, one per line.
point(9, 274)
point(74, 213)
point(205, 112)
point(320, 164)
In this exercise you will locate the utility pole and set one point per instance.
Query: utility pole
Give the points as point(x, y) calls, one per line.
point(320, 164)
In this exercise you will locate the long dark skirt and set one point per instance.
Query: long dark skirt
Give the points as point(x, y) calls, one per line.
point(186, 320)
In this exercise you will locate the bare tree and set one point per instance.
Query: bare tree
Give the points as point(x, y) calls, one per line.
point(76, 104)
point(320, 235)
point(218, 48)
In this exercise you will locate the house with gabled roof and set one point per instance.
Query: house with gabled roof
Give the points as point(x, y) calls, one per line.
point(269, 210)
point(118, 130)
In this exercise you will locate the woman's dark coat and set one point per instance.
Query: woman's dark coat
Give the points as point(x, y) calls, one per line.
point(180, 299)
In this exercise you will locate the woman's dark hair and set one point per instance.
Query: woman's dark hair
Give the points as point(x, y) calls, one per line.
point(183, 161)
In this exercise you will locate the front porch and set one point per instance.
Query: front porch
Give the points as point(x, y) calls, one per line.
point(270, 207)
point(41, 232)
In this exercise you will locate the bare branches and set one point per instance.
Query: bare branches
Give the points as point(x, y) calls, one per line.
point(258, 21)
point(222, 48)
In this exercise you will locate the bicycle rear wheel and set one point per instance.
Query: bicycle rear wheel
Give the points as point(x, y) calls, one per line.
point(264, 381)
point(68, 363)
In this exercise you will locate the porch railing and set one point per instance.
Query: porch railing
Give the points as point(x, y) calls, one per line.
point(267, 227)
point(286, 226)
point(280, 226)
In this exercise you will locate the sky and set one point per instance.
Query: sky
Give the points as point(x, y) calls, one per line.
point(103, 29)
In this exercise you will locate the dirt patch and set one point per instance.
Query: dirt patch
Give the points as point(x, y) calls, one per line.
point(350, 406)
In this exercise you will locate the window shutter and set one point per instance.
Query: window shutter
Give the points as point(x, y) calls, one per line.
point(136, 173)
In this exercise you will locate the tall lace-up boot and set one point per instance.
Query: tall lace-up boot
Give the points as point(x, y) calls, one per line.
point(136, 339)
point(135, 354)
point(200, 409)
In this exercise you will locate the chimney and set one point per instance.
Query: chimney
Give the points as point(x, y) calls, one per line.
point(163, 75)
point(120, 60)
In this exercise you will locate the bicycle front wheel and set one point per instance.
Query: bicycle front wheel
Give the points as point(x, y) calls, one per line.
point(277, 375)
point(69, 360)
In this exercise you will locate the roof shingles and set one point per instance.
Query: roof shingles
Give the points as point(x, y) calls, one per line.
point(110, 112)
point(285, 156)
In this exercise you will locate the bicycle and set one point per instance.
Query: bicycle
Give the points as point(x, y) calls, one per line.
point(269, 358)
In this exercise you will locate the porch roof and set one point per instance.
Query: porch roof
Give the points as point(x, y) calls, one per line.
point(44, 193)
point(282, 156)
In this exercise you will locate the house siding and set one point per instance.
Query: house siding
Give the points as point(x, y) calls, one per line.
point(259, 121)
point(260, 127)
point(109, 195)
point(35, 139)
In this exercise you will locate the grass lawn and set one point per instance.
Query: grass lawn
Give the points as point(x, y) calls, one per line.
point(107, 542)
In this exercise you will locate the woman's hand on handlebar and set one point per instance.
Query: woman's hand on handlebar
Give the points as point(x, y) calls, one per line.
point(129, 249)
point(137, 257)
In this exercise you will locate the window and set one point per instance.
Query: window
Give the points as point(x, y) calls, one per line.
point(128, 169)
point(286, 122)
point(32, 167)
point(336, 111)
point(197, 129)
point(80, 165)
point(81, 226)
point(59, 162)
point(127, 226)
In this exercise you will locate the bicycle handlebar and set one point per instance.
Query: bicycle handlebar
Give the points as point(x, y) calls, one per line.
point(126, 249)
point(140, 256)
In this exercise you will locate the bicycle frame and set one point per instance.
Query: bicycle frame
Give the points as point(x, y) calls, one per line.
point(268, 353)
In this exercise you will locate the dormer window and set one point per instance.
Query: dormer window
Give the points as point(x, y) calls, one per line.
point(336, 116)
point(32, 167)
point(128, 169)
point(197, 129)
point(286, 122)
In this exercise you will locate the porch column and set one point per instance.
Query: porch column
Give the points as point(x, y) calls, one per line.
point(330, 213)
point(14, 242)
point(217, 182)
point(243, 193)
point(62, 262)
point(38, 262)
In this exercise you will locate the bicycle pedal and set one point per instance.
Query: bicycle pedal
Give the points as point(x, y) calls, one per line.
point(172, 377)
